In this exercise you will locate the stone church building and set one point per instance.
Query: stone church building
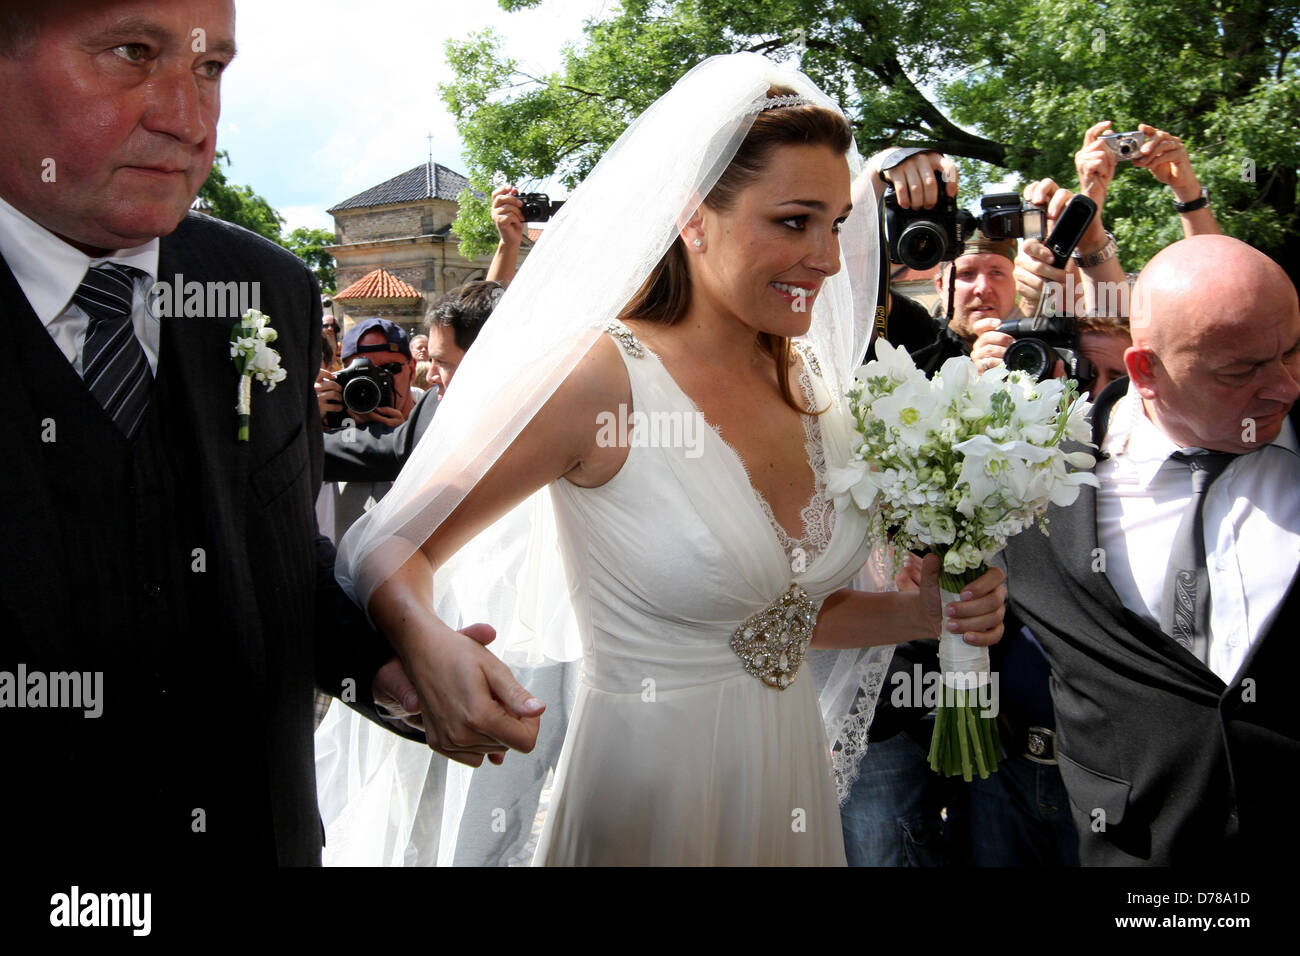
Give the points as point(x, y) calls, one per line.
point(395, 251)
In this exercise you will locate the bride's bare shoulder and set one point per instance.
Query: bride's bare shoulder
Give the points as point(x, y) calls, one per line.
point(598, 385)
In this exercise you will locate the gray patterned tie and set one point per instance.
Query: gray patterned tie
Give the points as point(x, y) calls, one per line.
point(1185, 614)
point(113, 363)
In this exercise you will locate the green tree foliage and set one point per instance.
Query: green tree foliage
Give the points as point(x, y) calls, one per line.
point(222, 199)
point(1005, 85)
point(309, 246)
point(238, 204)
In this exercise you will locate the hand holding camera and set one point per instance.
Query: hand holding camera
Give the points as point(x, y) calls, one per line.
point(507, 215)
point(364, 391)
point(922, 238)
point(916, 180)
point(1096, 163)
point(1165, 155)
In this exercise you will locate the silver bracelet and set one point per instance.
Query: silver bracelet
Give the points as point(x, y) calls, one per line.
point(1104, 254)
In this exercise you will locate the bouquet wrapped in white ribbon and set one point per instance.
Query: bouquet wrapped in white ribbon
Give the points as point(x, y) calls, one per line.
point(958, 464)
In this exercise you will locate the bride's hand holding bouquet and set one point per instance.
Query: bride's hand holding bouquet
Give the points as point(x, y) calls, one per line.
point(958, 464)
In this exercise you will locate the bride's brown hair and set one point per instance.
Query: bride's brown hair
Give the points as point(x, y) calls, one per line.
point(666, 293)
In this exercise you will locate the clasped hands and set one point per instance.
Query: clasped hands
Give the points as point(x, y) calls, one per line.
point(461, 695)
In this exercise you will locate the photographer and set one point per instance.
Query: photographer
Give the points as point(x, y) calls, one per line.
point(385, 345)
point(1098, 336)
point(377, 454)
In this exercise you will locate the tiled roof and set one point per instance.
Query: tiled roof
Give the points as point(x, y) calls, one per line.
point(533, 234)
point(380, 284)
point(426, 181)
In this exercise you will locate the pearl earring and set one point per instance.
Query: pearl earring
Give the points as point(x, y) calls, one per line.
point(698, 243)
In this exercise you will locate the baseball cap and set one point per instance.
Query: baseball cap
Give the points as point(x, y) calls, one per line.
point(978, 244)
point(397, 340)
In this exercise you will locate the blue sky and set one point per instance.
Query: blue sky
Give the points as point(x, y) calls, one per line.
point(330, 97)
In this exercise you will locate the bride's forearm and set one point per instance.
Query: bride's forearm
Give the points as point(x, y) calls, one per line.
point(400, 607)
point(852, 618)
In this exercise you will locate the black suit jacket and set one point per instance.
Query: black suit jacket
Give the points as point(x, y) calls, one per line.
point(1164, 763)
point(272, 619)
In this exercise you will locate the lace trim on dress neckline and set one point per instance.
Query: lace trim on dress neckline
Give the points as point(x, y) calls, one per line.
point(817, 517)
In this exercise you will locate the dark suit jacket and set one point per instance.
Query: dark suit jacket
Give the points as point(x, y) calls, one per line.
point(1164, 763)
point(215, 712)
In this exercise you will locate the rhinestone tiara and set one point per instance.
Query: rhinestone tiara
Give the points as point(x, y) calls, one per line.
point(777, 102)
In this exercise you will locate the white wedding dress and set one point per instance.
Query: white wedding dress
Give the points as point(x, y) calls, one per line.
point(676, 754)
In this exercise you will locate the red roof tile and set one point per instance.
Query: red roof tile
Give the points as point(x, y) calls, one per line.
point(380, 284)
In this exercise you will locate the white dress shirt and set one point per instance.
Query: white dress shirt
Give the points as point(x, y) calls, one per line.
point(1251, 522)
point(49, 270)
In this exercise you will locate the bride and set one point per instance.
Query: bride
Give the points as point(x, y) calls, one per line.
point(653, 406)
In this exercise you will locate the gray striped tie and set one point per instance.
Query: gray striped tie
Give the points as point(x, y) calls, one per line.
point(1185, 614)
point(113, 363)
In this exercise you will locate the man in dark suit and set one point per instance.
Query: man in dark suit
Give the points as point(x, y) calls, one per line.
point(152, 560)
point(1175, 715)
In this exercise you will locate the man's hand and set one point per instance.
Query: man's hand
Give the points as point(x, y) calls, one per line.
point(329, 394)
point(1045, 192)
point(1095, 163)
point(1166, 157)
point(469, 703)
point(508, 214)
point(383, 415)
point(978, 614)
point(917, 179)
point(1034, 269)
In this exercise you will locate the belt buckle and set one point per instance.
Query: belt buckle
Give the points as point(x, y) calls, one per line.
point(1040, 746)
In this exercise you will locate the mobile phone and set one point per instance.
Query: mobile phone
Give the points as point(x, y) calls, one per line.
point(1069, 229)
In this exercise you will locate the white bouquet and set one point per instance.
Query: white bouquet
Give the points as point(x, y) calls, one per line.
point(958, 464)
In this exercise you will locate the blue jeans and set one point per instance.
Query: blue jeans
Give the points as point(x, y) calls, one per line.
point(892, 817)
point(1020, 816)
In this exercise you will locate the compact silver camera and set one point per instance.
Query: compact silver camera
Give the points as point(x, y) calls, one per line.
point(1125, 145)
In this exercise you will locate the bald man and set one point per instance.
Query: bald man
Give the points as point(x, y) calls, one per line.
point(1171, 738)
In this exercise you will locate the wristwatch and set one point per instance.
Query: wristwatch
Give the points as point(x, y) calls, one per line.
point(1104, 254)
point(1198, 203)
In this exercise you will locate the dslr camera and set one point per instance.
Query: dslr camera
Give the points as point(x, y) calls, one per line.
point(1125, 145)
point(1039, 342)
point(922, 238)
point(538, 207)
point(365, 388)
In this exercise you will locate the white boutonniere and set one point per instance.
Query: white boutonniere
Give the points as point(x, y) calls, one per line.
point(250, 347)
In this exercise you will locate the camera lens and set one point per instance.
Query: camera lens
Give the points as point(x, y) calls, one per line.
point(361, 395)
point(922, 245)
point(1031, 356)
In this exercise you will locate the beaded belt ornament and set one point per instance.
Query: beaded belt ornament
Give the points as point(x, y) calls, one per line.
point(772, 642)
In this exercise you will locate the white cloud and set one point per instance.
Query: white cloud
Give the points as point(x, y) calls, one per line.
point(330, 97)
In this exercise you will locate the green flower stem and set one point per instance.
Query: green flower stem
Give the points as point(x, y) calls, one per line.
point(964, 742)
